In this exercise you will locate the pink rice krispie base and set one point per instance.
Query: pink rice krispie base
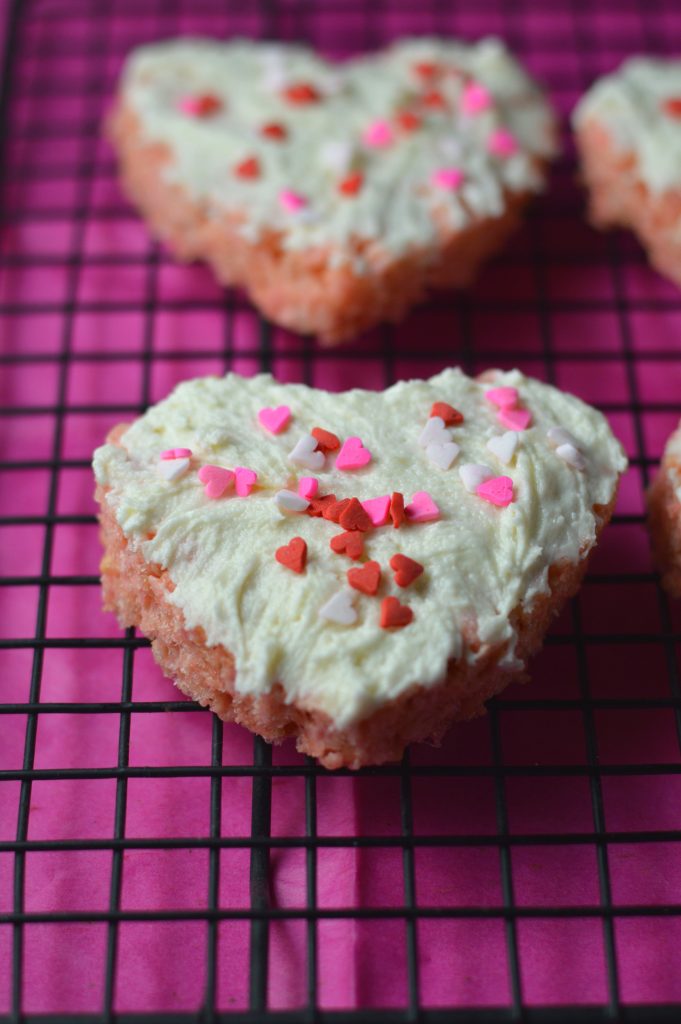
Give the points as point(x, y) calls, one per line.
point(618, 196)
point(299, 289)
point(664, 521)
point(136, 591)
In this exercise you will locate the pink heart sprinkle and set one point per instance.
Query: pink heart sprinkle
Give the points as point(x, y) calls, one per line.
point(245, 480)
point(190, 105)
point(515, 419)
point(291, 201)
point(447, 178)
point(377, 509)
point(308, 487)
point(378, 134)
point(475, 98)
point(422, 508)
point(504, 398)
point(502, 143)
point(353, 454)
point(497, 491)
point(216, 480)
point(275, 420)
point(176, 453)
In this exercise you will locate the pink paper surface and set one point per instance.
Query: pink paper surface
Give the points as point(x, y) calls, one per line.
point(109, 324)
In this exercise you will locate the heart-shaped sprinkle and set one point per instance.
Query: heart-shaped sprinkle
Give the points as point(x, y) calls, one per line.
point(502, 143)
point(349, 543)
point(426, 69)
point(245, 480)
point(497, 491)
point(422, 508)
point(176, 453)
point(378, 509)
point(326, 441)
point(351, 184)
point(397, 513)
point(293, 555)
point(434, 100)
point(504, 446)
point(301, 93)
point(353, 517)
point(515, 419)
point(450, 416)
point(340, 608)
point(475, 98)
point(275, 420)
point(406, 569)
point(353, 455)
point(473, 474)
point(274, 131)
point(559, 435)
point(434, 432)
point(308, 487)
point(503, 398)
point(248, 169)
point(568, 453)
point(333, 510)
point(305, 454)
point(443, 455)
point(378, 134)
point(394, 615)
point(288, 502)
point(318, 505)
point(365, 579)
point(173, 469)
point(672, 106)
point(291, 201)
point(200, 106)
point(408, 121)
point(216, 480)
point(447, 178)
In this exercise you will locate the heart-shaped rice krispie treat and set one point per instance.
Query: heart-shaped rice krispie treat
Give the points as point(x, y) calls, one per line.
point(357, 570)
point(628, 132)
point(664, 515)
point(336, 194)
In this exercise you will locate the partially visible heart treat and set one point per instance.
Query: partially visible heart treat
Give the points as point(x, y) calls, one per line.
point(628, 133)
point(337, 195)
point(391, 599)
point(664, 515)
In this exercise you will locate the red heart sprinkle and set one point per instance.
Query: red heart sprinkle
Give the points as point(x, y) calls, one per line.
point(672, 106)
point(293, 555)
point(435, 100)
point(207, 104)
point(394, 614)
point(351, 185)
point(354, 517)
point(333, 510)
point(397, 513)
point(406, 569)
point(274, 131)
point(326, 441)
point(448, 413)
point(301, 92)
point(407, 121)
point(426, 69)
point(248, 168)
point(365, 579)
point(349, 543)
point(318, 505)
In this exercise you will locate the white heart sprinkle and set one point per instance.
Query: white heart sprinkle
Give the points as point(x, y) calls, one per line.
point(340, 608)
point(172, 469)
point(473, 474)
point(559, 435)
point(289, 501)
point(304, 453)
point(504, 446)
point(443, 455)
point(434, 432)
point(568, 453)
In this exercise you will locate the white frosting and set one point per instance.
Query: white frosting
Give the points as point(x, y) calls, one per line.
point(480, 561)
point(397, 204)
point(630, 105)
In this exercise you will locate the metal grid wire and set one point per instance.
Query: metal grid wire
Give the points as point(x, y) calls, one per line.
point(39, 38)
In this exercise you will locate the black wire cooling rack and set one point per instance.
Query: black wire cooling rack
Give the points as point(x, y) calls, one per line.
point(68, 52)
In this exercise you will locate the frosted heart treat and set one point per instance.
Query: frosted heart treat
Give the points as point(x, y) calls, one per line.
point(664, 515)
point(396, 596)
point(337, 195)
point(628, 134)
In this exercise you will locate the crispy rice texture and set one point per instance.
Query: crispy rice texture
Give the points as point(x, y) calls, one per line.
point(664, 523)
point(300, 290)
point(618, 197)
point(135, 590)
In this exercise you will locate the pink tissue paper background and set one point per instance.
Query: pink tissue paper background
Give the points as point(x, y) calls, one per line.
point(94, 322)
